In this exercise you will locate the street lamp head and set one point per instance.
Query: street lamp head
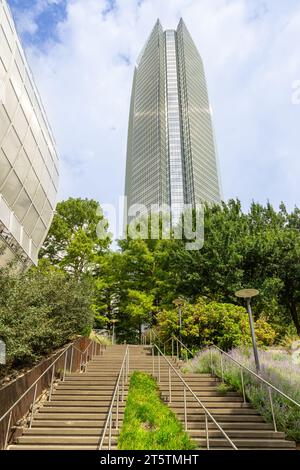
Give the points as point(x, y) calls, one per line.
point(178, 302)
point(247, 293)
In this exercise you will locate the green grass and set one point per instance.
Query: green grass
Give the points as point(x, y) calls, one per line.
point(148, 423)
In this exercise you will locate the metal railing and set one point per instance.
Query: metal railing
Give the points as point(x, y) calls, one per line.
point(270, 387)
point(176, 344)
point(91, 349)
point(186, 389)
point(118, 395)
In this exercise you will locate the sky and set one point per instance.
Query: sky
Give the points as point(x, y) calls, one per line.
point(82, 54)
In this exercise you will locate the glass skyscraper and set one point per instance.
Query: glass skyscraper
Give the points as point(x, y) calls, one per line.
point(28, 158)
point(171, 156)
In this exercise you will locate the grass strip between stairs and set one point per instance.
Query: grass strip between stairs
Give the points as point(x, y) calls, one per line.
point(148, 422)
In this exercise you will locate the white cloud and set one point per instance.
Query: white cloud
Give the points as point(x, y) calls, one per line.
point(251, 60)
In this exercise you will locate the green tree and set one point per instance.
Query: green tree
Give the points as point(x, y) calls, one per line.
point(140, 309)
point(72, 242)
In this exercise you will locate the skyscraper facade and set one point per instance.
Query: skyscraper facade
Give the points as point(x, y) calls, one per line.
point(28, 159)
point(171, 155)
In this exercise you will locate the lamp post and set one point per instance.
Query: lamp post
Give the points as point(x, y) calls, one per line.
point(179, 302)
point(247, 294)
point(113, 321)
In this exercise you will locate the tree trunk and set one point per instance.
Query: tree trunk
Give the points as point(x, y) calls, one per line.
point(295, 317)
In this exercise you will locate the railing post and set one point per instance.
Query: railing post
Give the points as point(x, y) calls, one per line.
point(211, 362)
point(172, 347)
point(117, 417)
point(52, 379)
point(7, 430)
point(153, 372)
point(243, 385)
point(159, 367)
point(177, 349)
point(65, 365)
point(222, 368)
point(33, 403)
point(207, 434)
point(110, 429)
point(71, 360)
point(127, 365)
point(185, 409)
point(272, 408)
point(170, 386)
point(123, 380)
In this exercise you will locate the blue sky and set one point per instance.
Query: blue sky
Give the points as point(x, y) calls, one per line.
point(82, 53)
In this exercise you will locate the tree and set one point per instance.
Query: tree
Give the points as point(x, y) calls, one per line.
point(140, 309)
point(72, 242)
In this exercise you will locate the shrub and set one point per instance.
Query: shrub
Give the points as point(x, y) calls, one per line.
point(277, 368)
point(41, 310)
point(148, 423)
point(223, 324)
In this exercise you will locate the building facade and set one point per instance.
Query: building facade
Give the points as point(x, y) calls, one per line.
point(28, 158)
point(171, 155)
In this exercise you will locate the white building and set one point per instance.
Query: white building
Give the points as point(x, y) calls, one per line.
point(28, 159)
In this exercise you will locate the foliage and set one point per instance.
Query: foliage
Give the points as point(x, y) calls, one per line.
point(72, 242)
point(101, 339)
point(41, 310)
point(277, 367)
point(204, 322)
point(259, 249)
point(139, 308)
point(148, 423)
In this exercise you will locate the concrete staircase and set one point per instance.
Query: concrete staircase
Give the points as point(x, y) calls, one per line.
point(242, 423)
point(76, 415)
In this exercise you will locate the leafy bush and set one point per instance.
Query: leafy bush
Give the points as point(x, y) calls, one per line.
point(277, 367)
point(223, 324)
point(41, 310)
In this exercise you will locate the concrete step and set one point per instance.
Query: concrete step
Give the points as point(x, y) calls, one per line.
point(88, 385)
point(82, 393)
point(55, 447)
point(80, 403)
point(248, 443)
point(71, 440)
point(76, 409)
point(223, 416)
point(211, 404)
point(67, 431)
point(81, 416)
point(233, 426)
point(88, 397)
point(218, 412)
point(237, 434)
point(75, 423)
point(176, 400)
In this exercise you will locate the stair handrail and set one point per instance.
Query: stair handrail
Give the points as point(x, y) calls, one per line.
point(35, 384)
point(116, 395)
point(144, 336)
point(183, 345)
point(173, 337)
point(186, 386)
point(257, 376)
